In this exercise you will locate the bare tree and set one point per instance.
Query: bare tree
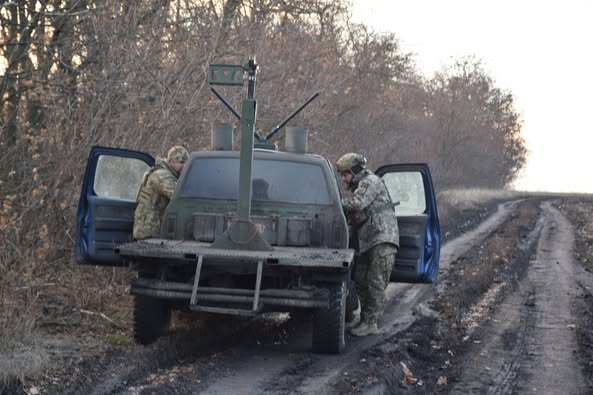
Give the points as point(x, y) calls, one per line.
point(476, 127)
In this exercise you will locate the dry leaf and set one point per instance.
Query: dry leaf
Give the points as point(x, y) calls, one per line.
point(442, 380)
point(408, 376)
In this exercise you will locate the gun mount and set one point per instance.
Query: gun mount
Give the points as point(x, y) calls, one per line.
point(244, 234)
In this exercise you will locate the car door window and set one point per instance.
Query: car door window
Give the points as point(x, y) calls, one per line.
point(118, 177)
point(407, 188)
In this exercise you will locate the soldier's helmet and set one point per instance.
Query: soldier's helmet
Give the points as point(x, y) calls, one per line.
point(177, 153)
point(351, 162)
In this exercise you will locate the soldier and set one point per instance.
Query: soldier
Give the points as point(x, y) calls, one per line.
point(156, 189)
point(371, 217)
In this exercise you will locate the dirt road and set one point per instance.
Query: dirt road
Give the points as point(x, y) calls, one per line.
point(511, 313)
point(531, 343)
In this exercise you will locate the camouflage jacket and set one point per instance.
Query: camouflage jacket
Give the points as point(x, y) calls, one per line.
point(370, 200)
point(155, 192)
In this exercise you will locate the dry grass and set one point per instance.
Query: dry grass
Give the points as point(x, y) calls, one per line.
point(20, 360)
point(59, 300)
point(451, 202)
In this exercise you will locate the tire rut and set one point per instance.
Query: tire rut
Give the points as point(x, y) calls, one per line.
point(505, 379)
point(530, 343)
point(550, 365)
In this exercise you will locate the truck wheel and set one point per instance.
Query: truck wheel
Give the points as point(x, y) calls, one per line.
point(151, 318)
point(329, 322)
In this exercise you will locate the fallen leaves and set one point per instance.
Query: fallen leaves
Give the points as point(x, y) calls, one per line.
point(442, 380)
point(168, 377)
point(408, 376)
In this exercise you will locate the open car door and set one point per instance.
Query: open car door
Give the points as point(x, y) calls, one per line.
point(105, 215)
point(417, 260)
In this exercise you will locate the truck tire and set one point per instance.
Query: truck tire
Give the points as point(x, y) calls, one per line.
point(151, 318)
point(329, 322)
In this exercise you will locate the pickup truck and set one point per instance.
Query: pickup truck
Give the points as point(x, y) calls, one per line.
point(295, 207)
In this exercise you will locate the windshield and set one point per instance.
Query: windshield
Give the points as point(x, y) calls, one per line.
point(272, 180)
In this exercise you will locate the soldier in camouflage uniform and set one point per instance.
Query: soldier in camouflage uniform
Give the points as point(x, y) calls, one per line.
point(156, 189)
point(371, 217)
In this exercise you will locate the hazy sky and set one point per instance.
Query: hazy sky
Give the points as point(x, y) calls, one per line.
point(541, 51)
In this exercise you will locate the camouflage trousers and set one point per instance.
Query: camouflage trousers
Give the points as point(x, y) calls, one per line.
point(371, 276)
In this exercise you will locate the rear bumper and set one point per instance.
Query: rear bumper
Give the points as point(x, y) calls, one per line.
point(322, 263)
point(179, 251)
point(309, 298)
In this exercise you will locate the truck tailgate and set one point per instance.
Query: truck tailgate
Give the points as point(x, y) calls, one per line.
point(189, 251)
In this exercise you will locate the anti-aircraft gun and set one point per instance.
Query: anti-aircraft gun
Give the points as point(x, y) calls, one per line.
point(244, 234)
point(247, 232)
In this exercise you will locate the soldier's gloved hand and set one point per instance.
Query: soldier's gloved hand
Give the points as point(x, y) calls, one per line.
point(356, 218)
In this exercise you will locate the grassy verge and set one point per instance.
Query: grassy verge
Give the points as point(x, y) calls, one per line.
point(452, 202)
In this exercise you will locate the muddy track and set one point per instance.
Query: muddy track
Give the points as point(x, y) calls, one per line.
point(514, 316)
point(531, 342)
point(509, 315)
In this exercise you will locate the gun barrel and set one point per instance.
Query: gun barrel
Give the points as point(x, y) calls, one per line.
point(294, 113)
point(230, 107)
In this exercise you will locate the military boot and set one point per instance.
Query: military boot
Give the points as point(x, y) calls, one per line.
point(353, 322)
point(365, 329)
